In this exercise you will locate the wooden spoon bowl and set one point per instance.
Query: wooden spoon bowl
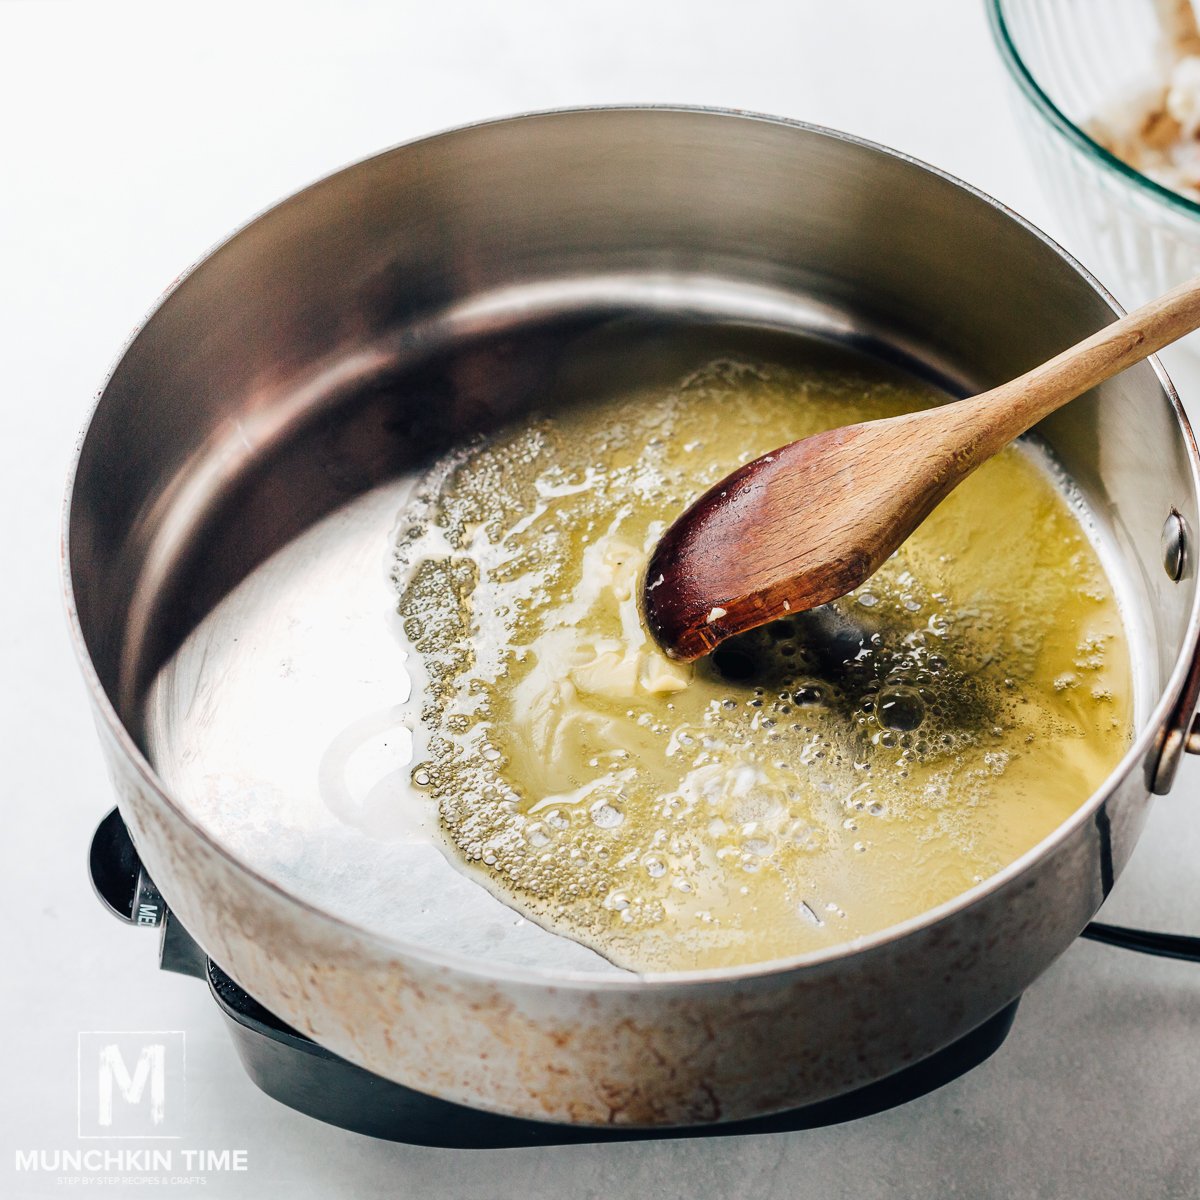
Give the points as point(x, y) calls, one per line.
point(809, 522)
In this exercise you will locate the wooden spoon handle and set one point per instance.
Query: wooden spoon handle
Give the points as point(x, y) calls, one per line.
point(1010, 409)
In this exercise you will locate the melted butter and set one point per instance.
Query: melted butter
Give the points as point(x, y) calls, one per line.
point(813, 781)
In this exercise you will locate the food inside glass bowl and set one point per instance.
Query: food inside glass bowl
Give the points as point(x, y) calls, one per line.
point(1158, 133)
point(1157, 130)
point(812, 782)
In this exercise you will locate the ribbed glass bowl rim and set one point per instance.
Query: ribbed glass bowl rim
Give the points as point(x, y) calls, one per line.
point(1037, 96)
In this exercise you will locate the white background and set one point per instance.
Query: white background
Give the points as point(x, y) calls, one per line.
point(132, 137)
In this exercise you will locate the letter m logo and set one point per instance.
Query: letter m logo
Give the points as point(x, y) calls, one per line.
point(131, 1083)
point(151, 1066)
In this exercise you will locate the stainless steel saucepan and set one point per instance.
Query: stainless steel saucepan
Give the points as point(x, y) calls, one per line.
point(228, 527)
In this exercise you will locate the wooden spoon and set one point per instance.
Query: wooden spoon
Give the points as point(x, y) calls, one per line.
point(811, 521)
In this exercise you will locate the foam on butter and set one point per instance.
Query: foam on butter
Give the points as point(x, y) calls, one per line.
point(811, 782)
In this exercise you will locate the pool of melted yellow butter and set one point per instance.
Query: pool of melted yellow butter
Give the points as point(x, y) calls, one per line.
point(814, 781)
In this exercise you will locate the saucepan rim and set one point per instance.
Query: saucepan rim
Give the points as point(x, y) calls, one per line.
point(1142, 745)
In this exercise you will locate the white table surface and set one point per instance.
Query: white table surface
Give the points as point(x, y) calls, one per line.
point(132, 137)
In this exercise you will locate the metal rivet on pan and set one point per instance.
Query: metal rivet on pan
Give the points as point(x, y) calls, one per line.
point(1174, 546)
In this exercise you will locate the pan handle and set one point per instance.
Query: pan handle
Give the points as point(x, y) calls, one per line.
point(1180, 733)
point(1182, 730)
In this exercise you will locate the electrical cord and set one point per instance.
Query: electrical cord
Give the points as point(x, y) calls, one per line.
point(1163, 945)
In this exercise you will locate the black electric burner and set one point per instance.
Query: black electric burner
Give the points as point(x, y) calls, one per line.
point(296, 1071)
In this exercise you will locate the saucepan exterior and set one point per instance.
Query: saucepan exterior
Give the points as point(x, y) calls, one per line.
point(268, 388)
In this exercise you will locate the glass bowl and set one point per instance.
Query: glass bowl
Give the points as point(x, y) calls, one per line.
point(1071, 61)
